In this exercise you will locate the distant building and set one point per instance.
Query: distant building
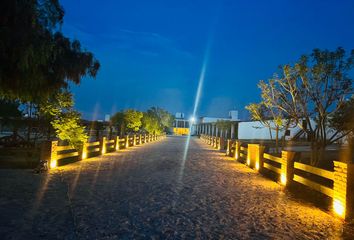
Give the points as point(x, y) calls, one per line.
point(233, 116)
point(180, 125)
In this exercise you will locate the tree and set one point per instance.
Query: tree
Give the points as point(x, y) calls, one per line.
point(10, 115)
point(311, 90)
point(64, 119)
point(343, 120)
point(151, 123)
point(36, 59)
point(9, 109)
point(132, 119)
point(118, 120)
point(268, 114)
point(164, 118)
point(129, 119)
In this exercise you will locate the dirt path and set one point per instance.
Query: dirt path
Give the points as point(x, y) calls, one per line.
point(150, 192)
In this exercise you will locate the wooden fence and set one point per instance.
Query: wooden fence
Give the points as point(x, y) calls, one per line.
point(337, 184)
point(52, 153)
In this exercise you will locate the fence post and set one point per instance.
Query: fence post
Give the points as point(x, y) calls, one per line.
point(237, 149)
point(49, 153)
point(260, 159)
point(287, 167)
point(221, 143)
point(84, 151)
point(117, 143)
point(127, 141)
point(228, 147)
point(343, 189)
point(103, 145)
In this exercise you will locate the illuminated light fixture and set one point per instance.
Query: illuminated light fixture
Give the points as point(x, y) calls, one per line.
point(103, 149)
point(283, 179)
point(53, 163)
point(257, 165)
point(338, 208)
point(84, 155)
point(192, 119)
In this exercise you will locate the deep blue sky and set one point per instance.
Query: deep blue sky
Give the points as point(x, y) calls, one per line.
point(151, 52)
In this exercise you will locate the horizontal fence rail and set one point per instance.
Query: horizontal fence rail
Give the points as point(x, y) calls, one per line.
point(336, 184)
point(52, 153)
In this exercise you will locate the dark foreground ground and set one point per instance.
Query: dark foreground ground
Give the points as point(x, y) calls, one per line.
point(149, 192)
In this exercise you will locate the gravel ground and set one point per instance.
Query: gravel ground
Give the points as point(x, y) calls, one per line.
point(149, 192)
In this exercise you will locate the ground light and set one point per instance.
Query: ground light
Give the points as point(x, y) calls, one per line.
point(53, 163)
point(339, 208)
point(283, 179)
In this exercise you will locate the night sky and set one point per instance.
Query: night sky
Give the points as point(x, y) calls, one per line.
point(151, 52)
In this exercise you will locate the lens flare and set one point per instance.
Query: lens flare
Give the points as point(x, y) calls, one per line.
point(196, 104)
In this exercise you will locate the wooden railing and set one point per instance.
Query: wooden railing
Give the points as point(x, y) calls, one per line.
point(335, 184)
point(52, 153)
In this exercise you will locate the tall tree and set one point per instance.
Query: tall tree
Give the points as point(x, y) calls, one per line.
point(36, 59)
point(311, 90)
point(268, 114)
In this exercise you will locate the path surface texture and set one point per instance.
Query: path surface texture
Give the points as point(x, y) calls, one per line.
point(157, 191)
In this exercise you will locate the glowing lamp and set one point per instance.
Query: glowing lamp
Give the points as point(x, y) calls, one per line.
point(53, 163)
point(283, 179)
point(84, 154)
point(257, 165)
point(192, 119)
point(339, 208)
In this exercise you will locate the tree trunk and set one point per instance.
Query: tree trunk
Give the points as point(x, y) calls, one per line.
point(270, 133)
point(277, 139)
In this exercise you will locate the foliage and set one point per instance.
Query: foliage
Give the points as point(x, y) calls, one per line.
point(164, 118)
point(118, 120)
point(151, 123)
point(64, 119)
point(154, 120)
point(132, 119)
point(268, 114)
point(36, 59)
point(312, 89)
point(9, 108)
point(343, 119)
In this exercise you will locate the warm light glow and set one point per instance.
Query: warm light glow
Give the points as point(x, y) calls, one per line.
point(53, 163)
point(283, 179)
point(236, 155)
point(257, 165)
point(339, 208)
point(248, 161)
point(84, 154)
